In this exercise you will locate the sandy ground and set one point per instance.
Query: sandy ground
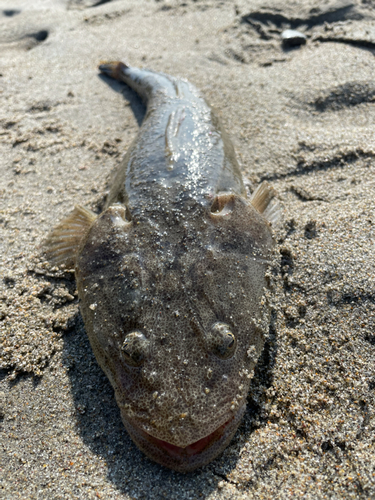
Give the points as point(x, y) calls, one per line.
point(303, 118)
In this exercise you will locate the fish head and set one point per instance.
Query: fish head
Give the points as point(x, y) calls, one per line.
point(177, 322)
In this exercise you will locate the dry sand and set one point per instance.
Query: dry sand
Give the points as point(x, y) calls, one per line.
point(302, 118)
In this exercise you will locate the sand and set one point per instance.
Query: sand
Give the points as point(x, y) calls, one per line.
point(301, 117)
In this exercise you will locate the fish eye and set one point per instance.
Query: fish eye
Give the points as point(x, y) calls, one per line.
point(221, 341)
point(134, 348)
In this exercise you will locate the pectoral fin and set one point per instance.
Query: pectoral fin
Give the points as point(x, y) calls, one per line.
point(63, 242)
point(265, 201)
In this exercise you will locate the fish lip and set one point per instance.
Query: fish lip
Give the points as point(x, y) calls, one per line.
point(186, 459)
point(193, 448)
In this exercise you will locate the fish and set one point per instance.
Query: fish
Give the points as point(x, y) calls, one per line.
point(171, 275)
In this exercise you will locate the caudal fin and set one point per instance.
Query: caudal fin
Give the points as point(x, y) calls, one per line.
point(114, 69)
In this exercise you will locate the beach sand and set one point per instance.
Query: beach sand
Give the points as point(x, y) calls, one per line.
point(303, 118)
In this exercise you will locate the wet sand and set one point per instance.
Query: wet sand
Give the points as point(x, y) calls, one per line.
point(303, 118)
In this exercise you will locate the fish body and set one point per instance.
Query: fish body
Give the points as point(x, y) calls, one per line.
point(171, 276)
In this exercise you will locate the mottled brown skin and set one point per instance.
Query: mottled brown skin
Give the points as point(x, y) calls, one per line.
point(178, 253)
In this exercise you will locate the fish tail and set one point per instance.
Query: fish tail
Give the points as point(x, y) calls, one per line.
point(114, 69)
point(134, 77)
point(144, 82)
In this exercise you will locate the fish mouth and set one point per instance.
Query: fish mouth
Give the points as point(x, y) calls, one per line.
point(192, 456)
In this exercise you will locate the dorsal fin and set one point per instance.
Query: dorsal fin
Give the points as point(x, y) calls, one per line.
point(265, 201)
point(62, 243)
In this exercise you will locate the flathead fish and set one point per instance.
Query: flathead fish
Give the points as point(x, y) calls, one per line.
point(171, 276)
